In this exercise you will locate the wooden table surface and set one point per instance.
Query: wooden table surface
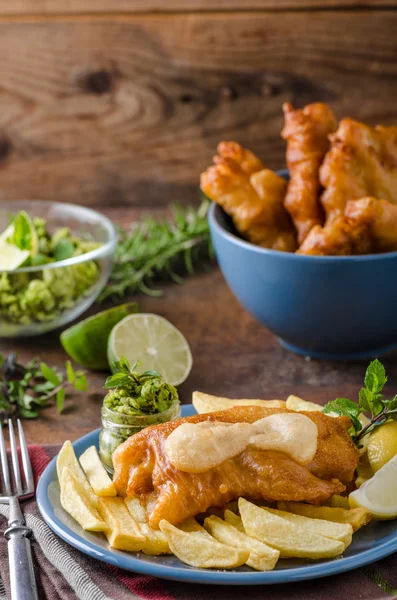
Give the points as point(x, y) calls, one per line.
point(233, 356)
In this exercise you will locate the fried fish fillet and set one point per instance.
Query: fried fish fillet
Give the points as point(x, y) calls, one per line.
point(368, 226)
point(142, 468)
point(306, 131)
point(341, 237)
point(252, 195)
point(380, 219)
point(362, 162)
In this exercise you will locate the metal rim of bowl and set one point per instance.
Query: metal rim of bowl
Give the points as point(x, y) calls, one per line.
point(107, 248)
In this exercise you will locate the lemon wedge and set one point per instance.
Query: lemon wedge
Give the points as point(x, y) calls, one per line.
point(382, 445)
point(379, 494)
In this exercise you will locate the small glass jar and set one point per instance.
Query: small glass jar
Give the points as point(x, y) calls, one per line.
point(117, 427)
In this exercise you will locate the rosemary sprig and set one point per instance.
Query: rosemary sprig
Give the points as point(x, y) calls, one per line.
point(25, 389)
point(155, 248)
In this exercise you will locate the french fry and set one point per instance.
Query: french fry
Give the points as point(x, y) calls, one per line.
point(155, 541)
point(205, 403)
point(67, 458)
point(342, 532)
point(298, 404)
point(364, 472)
point(261, 557)
point(357, 517)
point(96, 473)
point(290, 539)
point(122, 531)
point(136, 509)
point(74, 501)
point(235, 520)
point(199, 551)
point(337, 501)
point(191, 526)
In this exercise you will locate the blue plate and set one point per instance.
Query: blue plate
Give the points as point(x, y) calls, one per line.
point(376, 540)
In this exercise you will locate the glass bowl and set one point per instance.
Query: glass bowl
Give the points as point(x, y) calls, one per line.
point(73, 284)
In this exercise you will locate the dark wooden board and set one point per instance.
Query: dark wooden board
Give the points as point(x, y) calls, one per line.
point(128, 110)
point(64, 7)
point(233, 356)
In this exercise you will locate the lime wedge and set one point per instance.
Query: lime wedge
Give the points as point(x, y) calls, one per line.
point(86, 341)
point(155, 342)
point(11, 257)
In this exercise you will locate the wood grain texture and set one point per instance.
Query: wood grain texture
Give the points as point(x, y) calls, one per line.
point(65, 7)
point(129, 110)
point(232, 356)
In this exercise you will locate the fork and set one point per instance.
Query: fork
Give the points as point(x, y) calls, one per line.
point(23, 584)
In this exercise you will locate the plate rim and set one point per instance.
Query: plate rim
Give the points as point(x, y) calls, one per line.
point(130, 562)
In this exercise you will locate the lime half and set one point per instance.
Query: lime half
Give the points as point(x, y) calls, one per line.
point(86, 341)
point(155, 342)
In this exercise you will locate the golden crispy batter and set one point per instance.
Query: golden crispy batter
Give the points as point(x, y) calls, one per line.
point(338, 238)
point(362, 162)
point(306, 131)
point(142, 468)
point(380, 216)
point(252, 195)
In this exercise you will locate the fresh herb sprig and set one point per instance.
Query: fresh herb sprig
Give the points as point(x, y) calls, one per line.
point(138, 393)
point(155, 248)
point(26, 389)
point(370, 399)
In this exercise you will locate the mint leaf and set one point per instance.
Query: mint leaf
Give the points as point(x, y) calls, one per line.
point(22, 236)
point(123, 365)
point(117, 380)
point(71, 375)
point(345, 408)
point(50, 374)
point(391, 404)
point(60, 397)
point(63, 249)
point(375, 377)
point(81, 384)
point(28, 414)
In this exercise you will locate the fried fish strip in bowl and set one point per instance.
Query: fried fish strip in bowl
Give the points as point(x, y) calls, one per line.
point(362, 162)
point(252, 195)
point(339, 238)
point(142, 468)
point(306, 131)
point(380, 217)
point(368, 226)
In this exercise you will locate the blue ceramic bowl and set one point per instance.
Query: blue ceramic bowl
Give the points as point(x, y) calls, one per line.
point(331, 307)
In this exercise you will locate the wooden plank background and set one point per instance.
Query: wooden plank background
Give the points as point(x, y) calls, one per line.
point(53, 7)
point(117, 109)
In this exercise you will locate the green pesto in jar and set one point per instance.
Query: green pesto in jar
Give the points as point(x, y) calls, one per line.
point(135, 402)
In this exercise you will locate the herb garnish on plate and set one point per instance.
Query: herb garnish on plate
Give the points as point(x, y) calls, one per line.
point(370, 399)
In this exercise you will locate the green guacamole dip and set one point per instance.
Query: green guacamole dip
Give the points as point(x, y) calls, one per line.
point(27, 297)
point(135, 402)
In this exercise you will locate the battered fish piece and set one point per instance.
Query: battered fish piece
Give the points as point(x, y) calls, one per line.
point(142, 468)
point(306, 131)
point(252, 195)
point(338, 238)
point(380, 217)
point(362, 162)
